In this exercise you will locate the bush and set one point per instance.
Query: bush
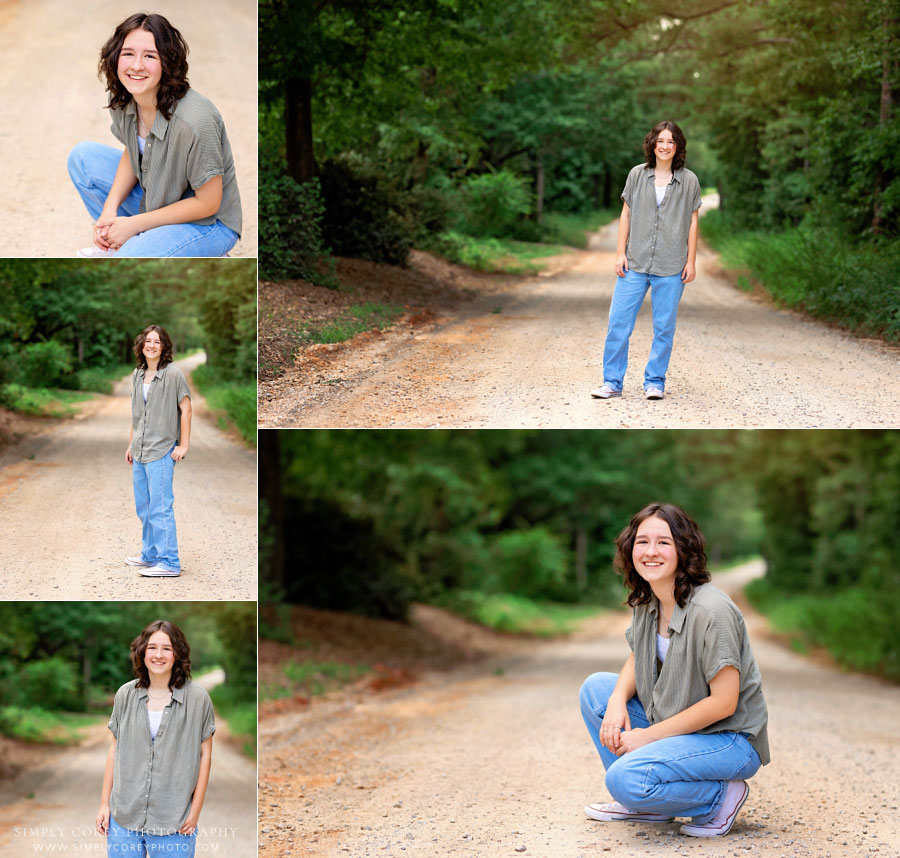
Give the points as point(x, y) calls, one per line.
point(529, 563)
point(494, 203)
point(362, 218)
point(50, 684)
point(44, 364)
point(290, 228)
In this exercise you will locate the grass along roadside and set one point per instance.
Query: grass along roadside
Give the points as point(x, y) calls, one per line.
point(240, 716)
point(311, 678)
point(233, 403)
point(41, 401)
point(34, 724)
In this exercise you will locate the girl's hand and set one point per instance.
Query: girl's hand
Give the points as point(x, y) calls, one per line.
point(621, 265)
point(688, 273)
point(190, 824)
point(103, 820)
point(99, 237)
point(614, 722)
point(631, 740)
point(116, 230)
point(178, 453)
point(128, 457)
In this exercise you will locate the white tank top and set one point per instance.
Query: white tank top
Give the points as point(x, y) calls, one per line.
point(662, 647)
point(155, 719)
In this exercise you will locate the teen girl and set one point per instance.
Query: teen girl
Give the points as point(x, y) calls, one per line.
point(158, 764)
point(160, 437)
point(684, 724)
point(172, 191)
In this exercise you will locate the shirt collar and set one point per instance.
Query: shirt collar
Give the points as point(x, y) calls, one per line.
point(678, 174)
point(160, 123)
point(678, 614)
point(160, 371)
point(177, 693)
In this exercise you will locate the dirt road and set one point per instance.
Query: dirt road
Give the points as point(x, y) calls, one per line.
point(52, 99)
point(67, 512)
point(530, 357)
point(483, 761)
point(52, 810)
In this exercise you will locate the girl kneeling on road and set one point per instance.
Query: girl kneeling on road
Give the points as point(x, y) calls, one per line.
point(684, 724)
point(172, 191)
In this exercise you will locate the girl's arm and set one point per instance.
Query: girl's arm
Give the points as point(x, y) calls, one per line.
point(122, 185)
point(128, 457)
point(690, 268)
point(206, 202)
point(616, 718)
point(181, 450)
point(724, 689)
point(624, 226)
point(190, 824)
point(103, 814)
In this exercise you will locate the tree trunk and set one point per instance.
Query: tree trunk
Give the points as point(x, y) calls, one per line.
point(581, 559)
point(607, 188)
point(539, 188)
point(298, 129)
point(270, 492)
point(888, 97)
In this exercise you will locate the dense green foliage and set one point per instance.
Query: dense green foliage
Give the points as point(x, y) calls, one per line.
point(59, 657)
point(789, 108)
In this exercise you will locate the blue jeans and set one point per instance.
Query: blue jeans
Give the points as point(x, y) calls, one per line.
point(627, 299)
point(92, 168)
point(137, 844)
point(153, 501)
point(680, 776)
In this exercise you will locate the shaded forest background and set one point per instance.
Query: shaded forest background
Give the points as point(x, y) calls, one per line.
point(67, 327)
point(494, 524)
point(445, 124)
point(61, 662)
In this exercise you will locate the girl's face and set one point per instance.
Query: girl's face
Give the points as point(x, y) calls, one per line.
point(665, 146)
point(152, 347)
point(140, 68)
point(654, 555)
point(159, 657)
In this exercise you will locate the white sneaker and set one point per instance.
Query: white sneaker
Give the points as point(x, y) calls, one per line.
point(735, 795)
point(615, 811)
point(654, 393)
point(605, 392)
point(158, 572)
point(94, 251)
point(136, 561)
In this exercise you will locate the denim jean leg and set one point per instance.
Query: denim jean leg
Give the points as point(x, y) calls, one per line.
point(594, 697)
point(182, 240)
point(125, 842)
point(664, 297)
point(161, 512)
point(92, 168)
point(142, 507)
point(626, 301)
point(682, 775)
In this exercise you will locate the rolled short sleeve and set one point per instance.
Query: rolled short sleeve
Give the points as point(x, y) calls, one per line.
point(628, 191)
point(182, 389)
point(209, 720)
point(116, 714)
point(629, 634)
point(721, 644)
point(696, 202)
point(204, 153)
point(118, 126)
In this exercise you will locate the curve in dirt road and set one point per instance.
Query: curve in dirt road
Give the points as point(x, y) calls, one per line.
point(495, 760)
point(67, 513)
point(52, 810)
point(49, 105)
point(737, 363)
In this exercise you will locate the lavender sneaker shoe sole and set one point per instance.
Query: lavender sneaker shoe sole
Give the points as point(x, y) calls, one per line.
point(720, 828)
point(616, 812)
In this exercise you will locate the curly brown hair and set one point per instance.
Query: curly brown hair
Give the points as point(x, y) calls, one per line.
point(165, 353)
point(677, 136)
point(173, 52)
point(181, 669)
point(689, 545)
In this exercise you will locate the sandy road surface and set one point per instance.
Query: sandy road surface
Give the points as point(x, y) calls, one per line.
point(52, 99)
point(477, 763)
point(67, 515)
point(52, 810)
point(530, 357)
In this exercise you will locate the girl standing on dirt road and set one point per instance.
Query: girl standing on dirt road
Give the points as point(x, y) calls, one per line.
point(160, 437)
point(172, 191)
point(684, 724)
point(158, 764)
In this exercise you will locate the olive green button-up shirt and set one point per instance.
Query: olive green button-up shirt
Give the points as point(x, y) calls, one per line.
point(181, 154)
point(707, 634)
point(154, 780)
point(156, 422)
point(658, 235)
